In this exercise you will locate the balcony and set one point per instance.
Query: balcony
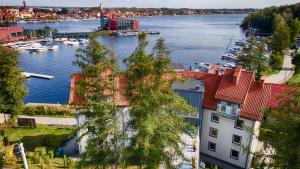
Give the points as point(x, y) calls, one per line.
point(228, 110)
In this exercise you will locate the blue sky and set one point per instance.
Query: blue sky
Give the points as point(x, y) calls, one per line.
point(156, 3)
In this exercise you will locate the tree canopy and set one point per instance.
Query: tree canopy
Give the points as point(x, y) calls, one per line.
point(12, 90)
point(154, 106)
point(280, 134)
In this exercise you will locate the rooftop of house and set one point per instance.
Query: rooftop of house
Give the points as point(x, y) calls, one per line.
point(234, 86)
point(189, 85)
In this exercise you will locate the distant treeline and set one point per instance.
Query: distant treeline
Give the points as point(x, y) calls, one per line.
point(263, 18)
point(182, 11)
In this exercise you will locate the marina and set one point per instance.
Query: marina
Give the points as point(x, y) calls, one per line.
point(187, 43)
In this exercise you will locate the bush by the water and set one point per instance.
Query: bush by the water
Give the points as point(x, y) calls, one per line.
point(47, 110)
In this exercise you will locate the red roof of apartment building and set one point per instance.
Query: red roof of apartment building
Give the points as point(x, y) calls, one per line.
point(276, 92)
point(235, 85)
point(120, 98)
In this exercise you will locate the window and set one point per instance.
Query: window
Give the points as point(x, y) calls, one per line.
point(234, 108)
point(223, 106)
point(236, 139)
point(228, 104)
point(214, 118)
point(234, 154)
point(212, 146)
point(213, 132)
point(239, 124)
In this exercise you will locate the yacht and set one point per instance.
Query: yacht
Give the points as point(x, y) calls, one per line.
point(83, 41)
point(37, 47)
point(61, 39)
point(53, 47)
point(71, 42)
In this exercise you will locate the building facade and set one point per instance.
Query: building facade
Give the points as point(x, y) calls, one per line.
point(229, 113)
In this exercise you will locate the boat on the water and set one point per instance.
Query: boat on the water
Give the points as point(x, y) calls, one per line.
point(37, 47)
point(53, 47)
point(229, 56)
point(71, 42)
point(61, 39)
point(83, 41)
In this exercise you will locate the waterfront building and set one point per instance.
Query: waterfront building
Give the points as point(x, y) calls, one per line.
point(229, 113)
point(11, 34)
point(233, 107)
point(109, 21)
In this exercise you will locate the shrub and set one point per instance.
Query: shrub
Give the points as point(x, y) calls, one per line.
point(40, 150)
point(51, 154)
point(46, 141)
point(47, 110)
point(276, 60)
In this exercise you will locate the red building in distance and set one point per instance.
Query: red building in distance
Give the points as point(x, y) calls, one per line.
point(109, 21)
point(11, 34)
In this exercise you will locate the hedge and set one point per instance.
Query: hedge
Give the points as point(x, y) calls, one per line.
point(47, 110)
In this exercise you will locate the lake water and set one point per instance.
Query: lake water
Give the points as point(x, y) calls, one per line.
point(190, 38)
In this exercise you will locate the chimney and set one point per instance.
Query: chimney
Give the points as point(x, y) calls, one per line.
point(237, 74)
point(261, 82)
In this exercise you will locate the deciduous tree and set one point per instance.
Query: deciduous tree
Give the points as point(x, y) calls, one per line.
point(99, 69)
point(154, 106)
point(12, 89)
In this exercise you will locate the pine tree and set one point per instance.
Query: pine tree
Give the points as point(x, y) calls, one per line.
point(153, 107)
point(12, 90)
point(99, 69)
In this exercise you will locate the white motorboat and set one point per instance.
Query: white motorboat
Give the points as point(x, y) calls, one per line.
point(37, 47)
point(53, 47)
point(229, 56)
point(61, 39)
point(71, 42)
point(83, 41)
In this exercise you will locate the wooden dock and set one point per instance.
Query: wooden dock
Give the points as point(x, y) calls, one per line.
point(73, 35)
point(28, 75)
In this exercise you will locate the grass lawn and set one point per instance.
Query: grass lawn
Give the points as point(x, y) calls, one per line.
point(43, 135)
point(296, 77)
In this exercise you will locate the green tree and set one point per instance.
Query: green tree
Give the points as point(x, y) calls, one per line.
point(153, 107)
point(253, 58)
point(280, 132)
point(276, 60)
point(296, 60)
point(294, 30)
point(99, 68)
point(281, 35)
point(12, 90)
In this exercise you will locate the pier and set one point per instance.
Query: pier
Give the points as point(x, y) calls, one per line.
point(73, 35)
point(28, 75)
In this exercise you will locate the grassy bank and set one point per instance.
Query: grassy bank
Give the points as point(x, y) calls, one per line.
point(46, 136)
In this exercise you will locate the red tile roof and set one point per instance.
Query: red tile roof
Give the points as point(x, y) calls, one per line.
point(211, 83)
point(120, 98)
point(276, 91)
point(256, 101)
point(232, 91)
point(236, 86)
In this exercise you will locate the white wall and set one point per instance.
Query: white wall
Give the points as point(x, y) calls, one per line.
point(224, 140)
point(82, 137)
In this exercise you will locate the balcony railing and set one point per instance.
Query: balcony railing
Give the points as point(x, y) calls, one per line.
point(228, 113)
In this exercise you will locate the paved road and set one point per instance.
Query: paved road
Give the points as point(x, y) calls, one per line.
point(285, 74)
point(48, 120)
